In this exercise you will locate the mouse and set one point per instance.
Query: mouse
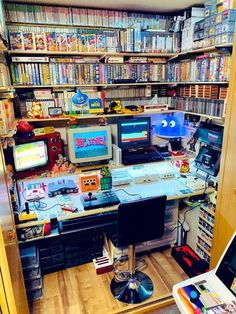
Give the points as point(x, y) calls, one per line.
point(183, 176)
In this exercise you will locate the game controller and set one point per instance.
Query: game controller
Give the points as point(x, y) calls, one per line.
point(62, 187)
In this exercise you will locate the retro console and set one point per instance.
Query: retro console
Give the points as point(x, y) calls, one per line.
point(88, 182)
point(143, 175)
point(120, 177)
point(166, 172)
point(62, 187)
point(35, 193)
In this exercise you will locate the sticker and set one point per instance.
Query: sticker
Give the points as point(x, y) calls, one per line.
point(186, 191)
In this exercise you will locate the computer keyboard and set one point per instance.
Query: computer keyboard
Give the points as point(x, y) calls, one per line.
point(143, 156)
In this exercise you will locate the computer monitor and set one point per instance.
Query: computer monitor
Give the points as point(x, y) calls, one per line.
point(89, 144)
point(34, 155)
point(134, 132)
point(30, 155)
point(210, 134)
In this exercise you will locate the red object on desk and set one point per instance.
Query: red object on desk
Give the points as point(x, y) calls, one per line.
point(176, 153)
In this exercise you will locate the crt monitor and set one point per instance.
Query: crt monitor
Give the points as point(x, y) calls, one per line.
point(89, 144)
point(31, 155)
point(134, 132)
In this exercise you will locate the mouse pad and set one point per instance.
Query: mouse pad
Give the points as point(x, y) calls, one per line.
point(192, 306)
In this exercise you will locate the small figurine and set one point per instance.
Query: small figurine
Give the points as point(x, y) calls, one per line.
point(184, 166)
point(35, 111)
point(102, 121)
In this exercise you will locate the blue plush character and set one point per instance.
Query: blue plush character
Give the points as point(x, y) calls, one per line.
point(169, 127)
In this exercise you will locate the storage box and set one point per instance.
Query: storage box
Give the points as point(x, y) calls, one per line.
point(229, 15)
point(227, 38)
point(228, 27)
point(190, 262)
point(206, 32)
point(34, 295)
point(212, 20)
point(218, 29)
point(219, 18)
point(32, 273)
point(198, 35)
point(199, 25)
point(198, 44)
point(218, 39)
point(207, 22)
point(33, 284)
point(29, 257)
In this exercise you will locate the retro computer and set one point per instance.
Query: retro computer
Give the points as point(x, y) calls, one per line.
point(134, 138)
point(89, 144)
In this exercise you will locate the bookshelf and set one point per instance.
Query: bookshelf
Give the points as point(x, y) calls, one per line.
point(125, 38)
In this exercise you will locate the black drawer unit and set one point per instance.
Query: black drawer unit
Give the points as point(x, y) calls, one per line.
point(51, 253)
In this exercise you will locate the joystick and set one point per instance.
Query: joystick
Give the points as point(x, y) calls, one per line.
point(89, 197)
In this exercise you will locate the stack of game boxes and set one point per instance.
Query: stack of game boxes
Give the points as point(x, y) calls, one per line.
point(188, 30)
point(217, 27)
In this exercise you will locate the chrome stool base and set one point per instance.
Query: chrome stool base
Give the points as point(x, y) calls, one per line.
point(135, 289)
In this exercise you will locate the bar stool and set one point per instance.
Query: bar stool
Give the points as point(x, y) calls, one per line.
point(138, 221)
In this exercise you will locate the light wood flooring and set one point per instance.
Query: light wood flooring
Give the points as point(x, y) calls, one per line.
point(79, 290)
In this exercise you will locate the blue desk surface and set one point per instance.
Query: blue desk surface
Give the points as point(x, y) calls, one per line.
point(174, 188)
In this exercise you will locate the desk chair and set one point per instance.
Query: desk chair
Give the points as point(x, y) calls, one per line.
point(138, 221)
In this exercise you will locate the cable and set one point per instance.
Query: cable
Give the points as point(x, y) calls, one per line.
point(180, 224)
point(130, 194)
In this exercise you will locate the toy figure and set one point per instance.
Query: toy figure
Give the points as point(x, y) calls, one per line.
point(169, 127)
point(35, 111)
point(102, 121)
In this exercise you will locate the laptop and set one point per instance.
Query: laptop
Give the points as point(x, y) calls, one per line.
point(134, 139)
point(212, 292)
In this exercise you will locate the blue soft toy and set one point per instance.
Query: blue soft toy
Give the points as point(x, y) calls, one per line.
point(169, 127)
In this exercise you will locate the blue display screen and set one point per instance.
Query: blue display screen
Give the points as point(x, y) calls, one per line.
point(210, 134)
point(134, 132)
point(90, 144)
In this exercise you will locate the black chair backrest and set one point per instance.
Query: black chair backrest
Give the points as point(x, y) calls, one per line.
point(141, 220)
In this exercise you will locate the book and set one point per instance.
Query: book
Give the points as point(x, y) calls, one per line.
point(51, 41)
point(16, 40)
point(61, 42)
point(40, 42)
point(95, 105)
point(91, 42)
point(81, 42)
point(71, 42)
point(28, 40)
point(101, 42)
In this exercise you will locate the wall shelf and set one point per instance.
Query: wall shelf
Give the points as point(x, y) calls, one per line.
point(117, 84)
point(96, 53)
point(203, 249)
point(63, 26)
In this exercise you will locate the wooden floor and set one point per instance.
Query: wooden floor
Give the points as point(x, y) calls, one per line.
point(79, 290)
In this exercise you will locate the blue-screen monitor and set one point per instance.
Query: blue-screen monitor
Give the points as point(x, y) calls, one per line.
point(89, 144)
point(134, 132)
point(210, 134)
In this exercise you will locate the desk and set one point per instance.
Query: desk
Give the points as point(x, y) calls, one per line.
point(174, 188)
point(71, 242)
